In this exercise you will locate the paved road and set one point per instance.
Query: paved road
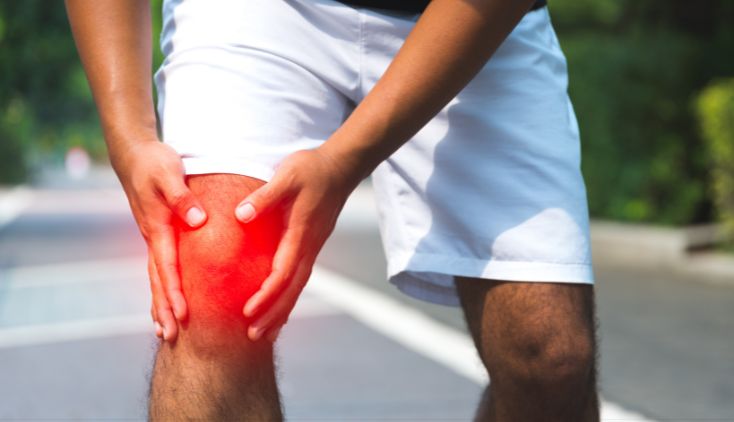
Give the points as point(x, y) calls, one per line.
point(75, 337)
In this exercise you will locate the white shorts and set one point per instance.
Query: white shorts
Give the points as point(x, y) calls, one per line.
point(490, 188)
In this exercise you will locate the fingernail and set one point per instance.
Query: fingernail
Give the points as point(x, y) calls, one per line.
point(194, 216)
point(245, 212)
point(179, 311)
point(158, 329)
point(165, 334)
point(250, 308)
point(255, 333)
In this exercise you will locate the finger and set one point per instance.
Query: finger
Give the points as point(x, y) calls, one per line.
point(273, 333)
point(182, 201)
point(157, 325)
point(163, 244)
point(169, 327)
point(277, 314)
point(262, 199)
point(284, 266)
point(153, 313)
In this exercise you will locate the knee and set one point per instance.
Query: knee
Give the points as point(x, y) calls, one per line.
point(221, 265)
point(549, 361)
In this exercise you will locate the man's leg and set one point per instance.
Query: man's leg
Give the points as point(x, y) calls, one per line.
point(538, 343)
point(212, 371)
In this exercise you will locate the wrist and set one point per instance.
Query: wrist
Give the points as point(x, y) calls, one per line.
point(360, 144)
point(123, 152)
point(352, 163)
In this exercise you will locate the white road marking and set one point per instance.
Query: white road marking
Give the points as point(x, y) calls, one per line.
point(33, 335)
point(418, 332)
point(107, 201)
point(97, 271)
point(20, 282)
point(327, 293)
point(141, 323)
point(12, 204)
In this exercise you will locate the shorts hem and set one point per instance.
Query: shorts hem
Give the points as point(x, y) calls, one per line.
point(429, 277)
point(213, 165)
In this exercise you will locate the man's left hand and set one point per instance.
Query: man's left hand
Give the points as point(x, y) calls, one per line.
point(310, 187)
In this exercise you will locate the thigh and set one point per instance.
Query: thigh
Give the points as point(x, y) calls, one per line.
point(521, 321)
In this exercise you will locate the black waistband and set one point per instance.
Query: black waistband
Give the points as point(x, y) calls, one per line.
point(415, 6)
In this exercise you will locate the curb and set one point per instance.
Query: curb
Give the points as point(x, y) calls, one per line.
point(655, 248)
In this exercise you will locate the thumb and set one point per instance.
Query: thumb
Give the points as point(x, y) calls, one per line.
point(182, 202)
point(260, 201)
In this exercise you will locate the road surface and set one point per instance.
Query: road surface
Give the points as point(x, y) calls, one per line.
point(76, 339)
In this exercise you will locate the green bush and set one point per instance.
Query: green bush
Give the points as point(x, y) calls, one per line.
point(14, 121)
point(634, 69)
point(642, 160)
point(715, 108)
point(45, 103)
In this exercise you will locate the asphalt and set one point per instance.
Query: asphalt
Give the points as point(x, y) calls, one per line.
point(76, 343)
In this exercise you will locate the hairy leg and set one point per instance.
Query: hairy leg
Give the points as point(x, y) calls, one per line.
point(213, 371)
point(538, 343)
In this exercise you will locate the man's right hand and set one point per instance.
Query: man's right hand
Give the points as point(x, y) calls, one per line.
point(152, 175)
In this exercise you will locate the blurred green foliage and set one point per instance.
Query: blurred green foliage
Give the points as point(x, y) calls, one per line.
point(716, 113)
point(635, 67)
point(45, 104)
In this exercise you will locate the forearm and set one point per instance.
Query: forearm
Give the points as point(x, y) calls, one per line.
point(447, 47)
point(113, 38)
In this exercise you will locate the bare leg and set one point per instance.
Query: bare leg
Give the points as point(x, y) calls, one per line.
point(212, 371)
point(538, 343)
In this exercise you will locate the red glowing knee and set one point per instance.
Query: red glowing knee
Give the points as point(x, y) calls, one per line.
point(224, 262)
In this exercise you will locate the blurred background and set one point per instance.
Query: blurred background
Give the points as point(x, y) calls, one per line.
point(653, 88)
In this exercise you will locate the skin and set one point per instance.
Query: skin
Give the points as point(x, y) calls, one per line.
point(538, 343)
point(114, 42)
point(454, 39)
point(450, 43)
point(213, 371)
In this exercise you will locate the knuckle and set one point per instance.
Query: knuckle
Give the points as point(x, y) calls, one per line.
point(178, 198)
point(283, 274)
point(158, 300)
point(286, 174)
point(172, 291)
point(145, 230)
point(162, 309)
point(159, 171)
point(169, 272)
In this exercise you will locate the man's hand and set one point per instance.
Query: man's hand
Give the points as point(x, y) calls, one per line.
point(152, 176)
point(113, 39)
point(311, 188)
